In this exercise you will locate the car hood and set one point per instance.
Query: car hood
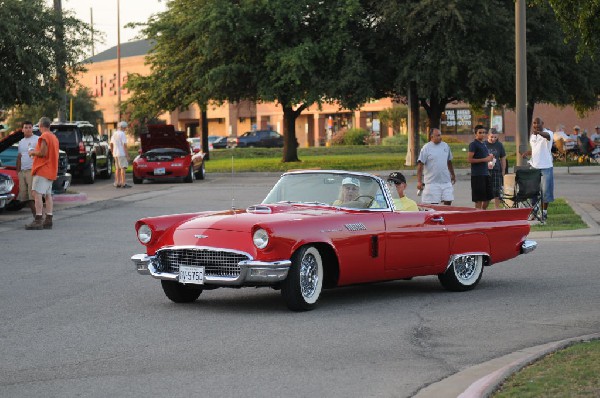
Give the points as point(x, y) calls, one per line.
point(163, 136)
point(10, 139)
point(244, 221)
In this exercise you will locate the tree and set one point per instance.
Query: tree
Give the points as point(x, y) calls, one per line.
point(452, 50)
point(295, 53)
point(579, 21)
point(28, 51)
point(84, 108)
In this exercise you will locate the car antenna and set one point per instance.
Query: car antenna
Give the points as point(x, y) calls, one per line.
point(232, 188)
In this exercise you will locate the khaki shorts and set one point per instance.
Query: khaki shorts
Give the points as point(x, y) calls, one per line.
point(42, 185)
point(25, 183)
point(121, 162)
point(438, 193)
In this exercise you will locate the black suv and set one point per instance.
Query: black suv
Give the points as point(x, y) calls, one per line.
point(88, 155)
point(260, 138)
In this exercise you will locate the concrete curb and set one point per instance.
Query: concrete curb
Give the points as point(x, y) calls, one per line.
point(68, 197)
point(481, 380)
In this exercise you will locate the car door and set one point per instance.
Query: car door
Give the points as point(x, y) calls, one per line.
point(415, 241)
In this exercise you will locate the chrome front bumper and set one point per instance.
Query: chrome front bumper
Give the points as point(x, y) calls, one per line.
point(528, 246)
point(5, 199)
point(251, 272)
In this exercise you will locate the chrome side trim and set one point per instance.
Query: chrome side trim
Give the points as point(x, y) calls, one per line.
point(528, 246)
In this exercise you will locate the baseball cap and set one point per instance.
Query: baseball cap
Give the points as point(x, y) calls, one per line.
point(598, 126)
point(576, 127)
point(123, 124)
point(351, 181)
point(397, 177)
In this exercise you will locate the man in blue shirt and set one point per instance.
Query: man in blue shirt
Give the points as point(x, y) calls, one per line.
point(480, 159)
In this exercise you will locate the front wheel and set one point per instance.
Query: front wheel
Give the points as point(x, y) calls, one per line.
point(463, 274)
point(201, 173)
point(180, 293)
point(302, 287)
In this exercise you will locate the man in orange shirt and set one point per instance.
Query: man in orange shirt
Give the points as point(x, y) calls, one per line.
point(44, 170)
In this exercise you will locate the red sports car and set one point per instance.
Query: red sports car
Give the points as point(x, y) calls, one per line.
point(166, 153)
point(321, 229)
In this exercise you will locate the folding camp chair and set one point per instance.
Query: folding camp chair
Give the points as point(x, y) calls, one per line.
point(524, 189)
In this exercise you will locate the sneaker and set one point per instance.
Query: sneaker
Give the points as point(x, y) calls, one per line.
point(126, 186)
point(544, 214)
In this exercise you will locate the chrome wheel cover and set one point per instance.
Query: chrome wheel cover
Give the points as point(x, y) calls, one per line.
point(309, 275)
point(467, 269)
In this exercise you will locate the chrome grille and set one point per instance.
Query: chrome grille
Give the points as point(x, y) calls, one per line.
point(215, 263)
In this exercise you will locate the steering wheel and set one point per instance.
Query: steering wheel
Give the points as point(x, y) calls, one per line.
point(369, 201)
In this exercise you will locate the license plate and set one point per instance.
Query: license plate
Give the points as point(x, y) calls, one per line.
point(193, 275)
point(159, 172)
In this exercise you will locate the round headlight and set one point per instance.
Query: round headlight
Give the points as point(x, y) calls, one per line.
point(144, 234)
point(260, 238)
point(7, 185)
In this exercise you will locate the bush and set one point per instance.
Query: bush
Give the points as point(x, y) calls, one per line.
point(356, 137)
point(395, 140)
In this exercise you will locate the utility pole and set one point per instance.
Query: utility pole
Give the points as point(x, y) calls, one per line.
point(60, 62)
point(413, 149)
point(522, 133)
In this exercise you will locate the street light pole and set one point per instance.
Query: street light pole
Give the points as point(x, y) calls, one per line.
point(521, 80)
point(119, 60)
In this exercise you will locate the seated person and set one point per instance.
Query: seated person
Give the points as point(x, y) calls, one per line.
point(402, 203)
point(584, 144)
point(349, 193)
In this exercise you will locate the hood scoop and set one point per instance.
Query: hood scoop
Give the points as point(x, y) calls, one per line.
point(259, 209)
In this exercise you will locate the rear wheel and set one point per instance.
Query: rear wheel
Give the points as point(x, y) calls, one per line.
point(190, 177)
point(463, 274)
point(90, 175)
point(302, 287)
point(180, 293)
point(137, 180)
point(106, 174)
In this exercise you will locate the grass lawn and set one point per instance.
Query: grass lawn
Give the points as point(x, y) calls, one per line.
point(561, 217)
point(571, 372)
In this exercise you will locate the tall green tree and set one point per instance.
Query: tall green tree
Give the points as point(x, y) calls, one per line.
point(452, 49)
point(579, 21)
point(294, 53)
point(28, 50)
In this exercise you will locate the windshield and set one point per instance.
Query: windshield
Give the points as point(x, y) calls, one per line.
point(346, 190)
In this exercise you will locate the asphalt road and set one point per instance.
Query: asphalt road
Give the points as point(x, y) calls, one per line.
point(77, 320)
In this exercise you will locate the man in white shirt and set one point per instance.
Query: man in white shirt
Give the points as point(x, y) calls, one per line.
point(24, 164)
point(435, 173)
point(118, 147)
point(541, 159)
point(596, 136)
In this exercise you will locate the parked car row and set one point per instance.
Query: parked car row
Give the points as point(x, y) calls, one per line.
point(250, 139)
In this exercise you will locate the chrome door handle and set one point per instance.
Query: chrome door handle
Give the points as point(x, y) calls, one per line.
point(439, 219)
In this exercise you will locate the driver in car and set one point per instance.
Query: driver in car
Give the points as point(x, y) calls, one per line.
point(349, 191)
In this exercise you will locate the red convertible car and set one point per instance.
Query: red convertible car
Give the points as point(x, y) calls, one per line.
point(308, 234)
point(166, 153)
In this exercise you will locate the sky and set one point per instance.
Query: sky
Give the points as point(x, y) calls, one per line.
point(105, 16)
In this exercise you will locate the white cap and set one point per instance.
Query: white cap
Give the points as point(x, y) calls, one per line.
point(123, 124)
point(351, 181)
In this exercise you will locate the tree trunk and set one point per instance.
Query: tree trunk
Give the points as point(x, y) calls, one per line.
point(414, 143)
point(290, 143)
point(204, 131)
point(434, 108)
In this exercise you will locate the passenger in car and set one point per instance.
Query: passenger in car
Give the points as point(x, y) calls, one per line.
point(403, 203)
point(349, 192)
